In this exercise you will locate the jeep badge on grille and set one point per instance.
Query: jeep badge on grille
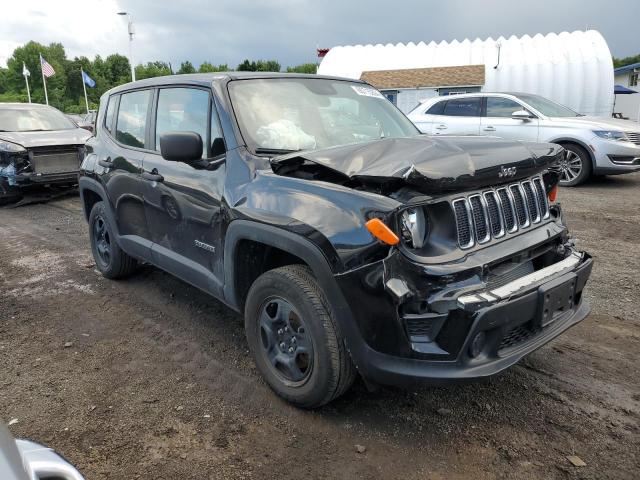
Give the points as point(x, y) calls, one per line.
point(507, 172)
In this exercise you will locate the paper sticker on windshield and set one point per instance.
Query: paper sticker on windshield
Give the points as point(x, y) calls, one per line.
point(367, 91)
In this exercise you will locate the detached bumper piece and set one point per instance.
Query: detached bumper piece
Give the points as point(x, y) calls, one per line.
point(488, 330)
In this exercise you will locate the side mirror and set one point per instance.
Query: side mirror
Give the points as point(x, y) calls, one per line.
point(521, 115)
point(181, 146)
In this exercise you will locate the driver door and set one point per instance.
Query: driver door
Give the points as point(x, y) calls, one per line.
point(183, 201)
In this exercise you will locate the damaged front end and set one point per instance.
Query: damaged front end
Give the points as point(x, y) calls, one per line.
point(39, 172)
point(495, 277)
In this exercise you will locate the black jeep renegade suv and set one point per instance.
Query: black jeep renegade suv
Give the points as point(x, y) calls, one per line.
point(349, 242)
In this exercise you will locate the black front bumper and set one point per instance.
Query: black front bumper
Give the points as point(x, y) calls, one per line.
point(26, 179)
point(487, 339)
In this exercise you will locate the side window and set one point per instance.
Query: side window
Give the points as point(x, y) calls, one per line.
point(436, 109)
point(182, 110)
point(501, 107)
point(217, 140)
point(111, 110)
point(132, 118)
point(463, 107)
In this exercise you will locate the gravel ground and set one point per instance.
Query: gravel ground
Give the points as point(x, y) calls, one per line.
point(150, 378)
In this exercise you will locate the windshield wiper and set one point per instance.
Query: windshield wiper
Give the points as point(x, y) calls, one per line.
point(273, 151)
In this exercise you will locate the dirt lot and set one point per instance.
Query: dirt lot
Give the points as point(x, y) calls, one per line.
point(150, 378)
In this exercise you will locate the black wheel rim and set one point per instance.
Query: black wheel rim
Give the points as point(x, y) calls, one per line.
point(284, 341)
point(570, 166)
point(102, 240)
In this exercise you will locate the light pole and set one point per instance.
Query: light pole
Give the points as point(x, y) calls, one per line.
point(131, 30)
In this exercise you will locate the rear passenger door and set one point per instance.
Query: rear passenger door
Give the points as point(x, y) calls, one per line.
point(183, 201)
point(497, 120)
point(460, 116)
point(121, 156)
point(424, 116)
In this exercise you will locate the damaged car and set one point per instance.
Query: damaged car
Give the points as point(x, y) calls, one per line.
point(39, 147)
point(351, 244)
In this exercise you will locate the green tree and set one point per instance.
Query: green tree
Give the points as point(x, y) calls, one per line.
point(304, 68)
point(621, 62)
point(206, 67)
point(30, 55)
point(186, 67)
point(117, 69)
point(152, 69)
point(259, 66)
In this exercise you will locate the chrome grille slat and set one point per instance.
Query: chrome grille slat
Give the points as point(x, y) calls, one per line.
point(496, 212)
point(531, 202)
point(633, 137)
point(542, 197)
point(506, 201)
point(480, 220)
point(522, 213)
point(464, 224)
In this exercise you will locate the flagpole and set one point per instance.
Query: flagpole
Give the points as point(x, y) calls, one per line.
point(84, 87)
point(44, 82)
point(26, 80)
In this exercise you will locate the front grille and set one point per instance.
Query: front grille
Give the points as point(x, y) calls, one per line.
point(497, 212)
point(59, 159)
point(517, 335)
point(463, 223)
point(633, 137)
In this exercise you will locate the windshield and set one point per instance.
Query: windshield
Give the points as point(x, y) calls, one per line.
point(284, 114)
point(35, 119)
point(547, 107)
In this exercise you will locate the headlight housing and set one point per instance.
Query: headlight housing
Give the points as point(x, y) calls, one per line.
point(611, 135)
point(414, 227)
point(9, 147)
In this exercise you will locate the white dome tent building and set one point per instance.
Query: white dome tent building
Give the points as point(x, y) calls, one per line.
point(574, 69)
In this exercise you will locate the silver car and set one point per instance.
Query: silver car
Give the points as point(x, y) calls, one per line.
point(594, 145)
point(39, 146)
point(26, 460)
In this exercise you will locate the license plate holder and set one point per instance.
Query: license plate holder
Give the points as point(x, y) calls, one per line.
point(555, 298)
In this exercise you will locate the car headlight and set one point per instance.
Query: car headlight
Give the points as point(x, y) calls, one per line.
point(611, 135)
point(9, 147)
point(414, 227)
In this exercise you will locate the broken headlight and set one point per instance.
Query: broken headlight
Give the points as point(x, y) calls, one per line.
point(9, 147)
point(414, 227)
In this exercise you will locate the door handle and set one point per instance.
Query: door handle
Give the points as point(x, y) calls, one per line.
point(442, 126)
point(489, 128)
point(152, 177)
point(105, 162)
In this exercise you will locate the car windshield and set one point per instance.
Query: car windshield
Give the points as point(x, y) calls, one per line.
point(547, 107)
point(33, 119)
point(288, 114)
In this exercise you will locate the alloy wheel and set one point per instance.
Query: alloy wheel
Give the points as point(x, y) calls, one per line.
point(570, 166)
point(285, 341)
point(102, 240)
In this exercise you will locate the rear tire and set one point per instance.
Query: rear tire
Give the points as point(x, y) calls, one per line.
point(110, 259)
point(294, 338)
point(575, 168)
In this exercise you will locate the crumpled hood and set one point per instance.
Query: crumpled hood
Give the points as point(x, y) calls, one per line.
point(431, 163)
point(75, 136)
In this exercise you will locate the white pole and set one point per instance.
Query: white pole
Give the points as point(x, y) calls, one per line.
point(26, 80)
point(84, 87)
point(44, 82)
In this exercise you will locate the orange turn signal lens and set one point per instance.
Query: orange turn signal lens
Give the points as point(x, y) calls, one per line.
point(553, 194)
point(378, 229)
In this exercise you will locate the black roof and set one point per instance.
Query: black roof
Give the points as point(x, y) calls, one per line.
point(205, 79)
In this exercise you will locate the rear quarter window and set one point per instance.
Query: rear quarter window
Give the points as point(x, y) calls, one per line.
point(436, 109)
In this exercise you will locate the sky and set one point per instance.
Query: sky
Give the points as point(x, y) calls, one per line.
point(228, 31)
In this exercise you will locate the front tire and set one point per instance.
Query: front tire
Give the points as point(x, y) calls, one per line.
point(110, 259)
point(294, 338)
point(575, 167)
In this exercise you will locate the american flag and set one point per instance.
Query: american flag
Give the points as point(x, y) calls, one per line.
point(47, 70)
